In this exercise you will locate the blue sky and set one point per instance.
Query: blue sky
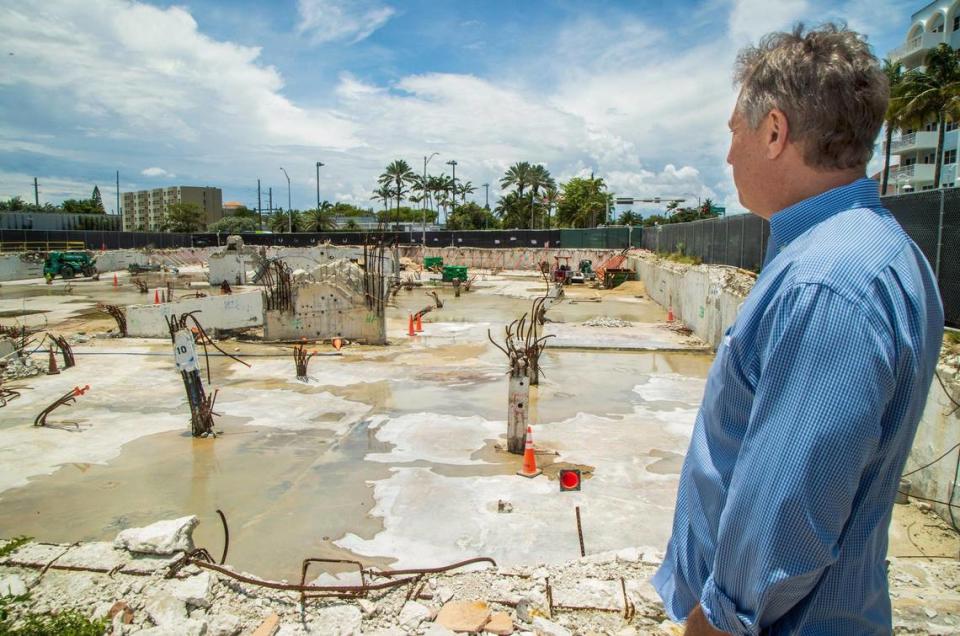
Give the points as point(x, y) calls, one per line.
point(223, 93)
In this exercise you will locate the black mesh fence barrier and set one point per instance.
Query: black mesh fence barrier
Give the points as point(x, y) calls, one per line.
point(931, 218)
point(738, 240)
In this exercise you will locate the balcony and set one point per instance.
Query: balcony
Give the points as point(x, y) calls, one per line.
point(920, 140)
point(913, 174)
point(911, 53)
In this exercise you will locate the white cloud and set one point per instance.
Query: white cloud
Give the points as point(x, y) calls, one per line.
point(157, 172)
point(351, 20)
point(751, 19)
point(53, 189)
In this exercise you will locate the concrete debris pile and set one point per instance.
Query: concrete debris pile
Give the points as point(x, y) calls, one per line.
point(607, 593)
point(607, 321)
point(22, 366)
point(949, 364)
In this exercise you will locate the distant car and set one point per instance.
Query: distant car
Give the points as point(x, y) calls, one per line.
point(576, 277)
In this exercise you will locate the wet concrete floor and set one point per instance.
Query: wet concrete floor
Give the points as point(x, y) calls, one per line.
point(289, 493)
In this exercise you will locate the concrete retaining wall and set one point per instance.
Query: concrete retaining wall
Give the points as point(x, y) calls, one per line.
point(937, 432)
point(231, 311)
point(695, 293)
point(325, 310)
point(118, 260)
point(13, 267)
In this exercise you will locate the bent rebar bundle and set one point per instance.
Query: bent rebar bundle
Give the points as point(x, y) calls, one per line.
point(118, 315)
point(278, 294)
point(201, 405)
point(523, 344)
point(301, 358)
point(66, 399)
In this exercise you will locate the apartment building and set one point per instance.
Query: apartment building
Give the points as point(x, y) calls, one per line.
point(936, 23)
point(146, 210)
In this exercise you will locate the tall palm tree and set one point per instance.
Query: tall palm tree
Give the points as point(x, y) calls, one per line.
point(539, 178)
point(383, 193)
point(551, 197)
point(894, 72)
point(398, 174)
point(320, 219)
point(463, 189)
point(518, 176)
point(932, 94)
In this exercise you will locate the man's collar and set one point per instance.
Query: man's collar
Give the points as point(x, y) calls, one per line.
point(791, 222)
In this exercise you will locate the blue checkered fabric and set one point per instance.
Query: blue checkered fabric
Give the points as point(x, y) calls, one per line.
point(807, 419)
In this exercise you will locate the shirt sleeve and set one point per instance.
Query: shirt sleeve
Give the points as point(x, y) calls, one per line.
point(825, 378)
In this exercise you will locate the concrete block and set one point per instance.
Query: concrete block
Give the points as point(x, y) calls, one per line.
point(233, 311)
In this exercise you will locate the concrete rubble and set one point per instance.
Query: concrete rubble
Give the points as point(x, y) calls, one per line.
point(607, 321)
point(587, 597)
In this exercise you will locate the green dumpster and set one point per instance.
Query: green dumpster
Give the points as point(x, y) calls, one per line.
point(432, 261)
point(454, 271)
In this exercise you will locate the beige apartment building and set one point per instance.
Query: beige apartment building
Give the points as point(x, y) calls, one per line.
point(145, 210)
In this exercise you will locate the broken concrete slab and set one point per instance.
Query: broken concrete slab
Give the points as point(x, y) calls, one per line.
point(12, 585)
point(234, 311)
point(163, 537)
point(195, 591)
point(500, 623)
point(164, 609)
point(464, 616)
point(412, 614)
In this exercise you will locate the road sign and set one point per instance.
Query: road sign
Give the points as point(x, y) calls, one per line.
point(624, 201)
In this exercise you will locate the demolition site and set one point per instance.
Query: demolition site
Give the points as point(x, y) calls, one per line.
point(378, 439)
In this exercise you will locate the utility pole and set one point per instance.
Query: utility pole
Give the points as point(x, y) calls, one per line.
point(36, 193)
point(453, 203)
point(118, 192)
point(486, 187)
point(270, 199)
point(289, 206)
point(259, 208)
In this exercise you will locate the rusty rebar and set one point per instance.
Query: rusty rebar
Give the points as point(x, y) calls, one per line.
point(226, 536)
point(141, 285)
point(546, 582)
point(65, 400)
point(583, 552)
point(301, 359)
point(118, 315)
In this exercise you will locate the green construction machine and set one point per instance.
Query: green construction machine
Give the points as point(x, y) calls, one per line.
point(69, 264)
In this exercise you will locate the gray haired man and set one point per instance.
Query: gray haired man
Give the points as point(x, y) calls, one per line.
point(814, 397)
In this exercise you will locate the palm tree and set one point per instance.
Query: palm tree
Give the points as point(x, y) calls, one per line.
point(383, 193)
point(518, 175)
point(464, 188)
point(539, 177)
point(630, 218)
point(320, 219)
point(933, 94)
point(894, 73)
point(551, 197)
point(398, 174)
point(279, 222)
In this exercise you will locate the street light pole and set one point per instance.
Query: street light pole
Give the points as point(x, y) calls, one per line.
point(453, 203)
point(289, 211)
point(423, 200)
point(319, 213)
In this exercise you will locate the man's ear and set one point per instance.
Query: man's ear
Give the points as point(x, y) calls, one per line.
point(777, 133)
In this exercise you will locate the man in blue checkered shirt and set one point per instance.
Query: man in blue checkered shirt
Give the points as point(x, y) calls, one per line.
point(813, 400)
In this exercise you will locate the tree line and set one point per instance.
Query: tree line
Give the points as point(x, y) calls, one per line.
point(93, 205)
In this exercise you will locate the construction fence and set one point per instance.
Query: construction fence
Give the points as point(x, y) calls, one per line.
point(931, 218)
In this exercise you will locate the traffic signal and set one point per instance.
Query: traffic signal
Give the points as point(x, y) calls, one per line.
point(569, 479)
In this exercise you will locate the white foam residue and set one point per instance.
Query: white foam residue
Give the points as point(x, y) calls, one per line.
point(292, 410)
point(442, 439)
point(140, 396)
point(671, 387)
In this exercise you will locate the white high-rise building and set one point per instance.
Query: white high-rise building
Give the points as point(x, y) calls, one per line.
point(936, 23)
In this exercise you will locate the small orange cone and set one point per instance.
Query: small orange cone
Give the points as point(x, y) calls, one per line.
point(156, 296)
point(115, 283)
point(410, 331)
point(52, 368)
point(529, 458)
point(337, 343)
point(419, 323)
point(670, 316)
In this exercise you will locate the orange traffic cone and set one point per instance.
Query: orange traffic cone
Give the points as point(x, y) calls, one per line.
point(52, 367)
point(156, 296)
point(115, 283)
point(670, 316)
point(419, 323)
point(410, 331)
point(337, 343)
point(529, 458)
